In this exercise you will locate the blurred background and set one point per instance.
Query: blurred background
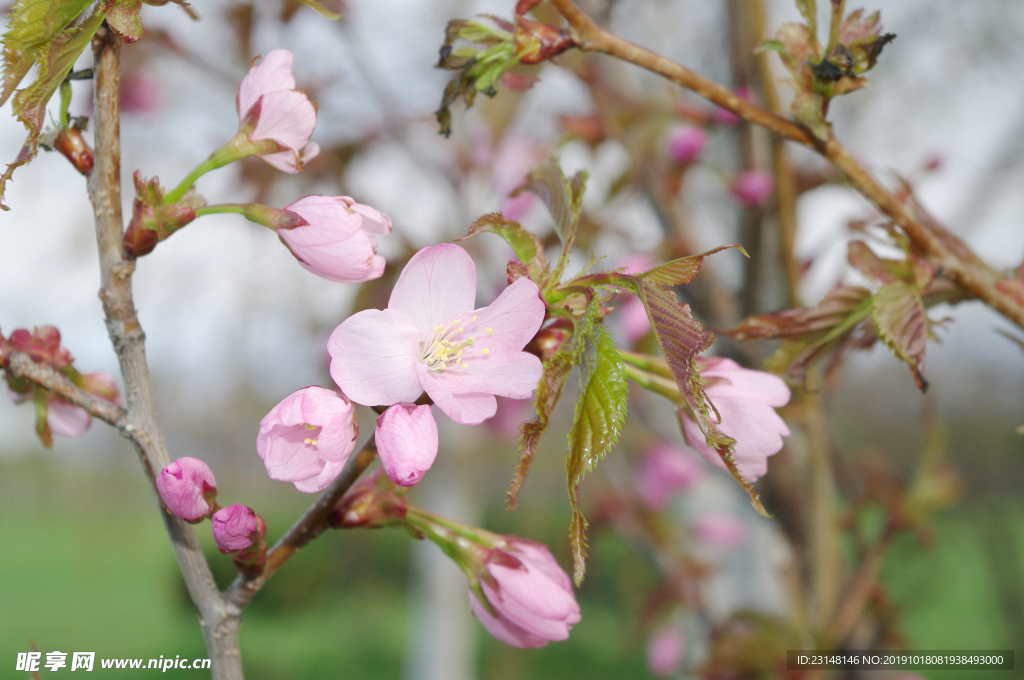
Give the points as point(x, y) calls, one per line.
point(233, 325)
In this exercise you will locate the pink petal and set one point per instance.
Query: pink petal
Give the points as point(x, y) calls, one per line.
point(436, 286)
point(503, 629)
point(374, 357)
point(272, 74)
point(321, 481)
point(374, 221)
point(532, 601)
point(285, 160)
point(465, 409)
point(756, 427)
point(67, 420)
point(665, 651)
point(746, 384)
point(287, 117)
point(514, 318)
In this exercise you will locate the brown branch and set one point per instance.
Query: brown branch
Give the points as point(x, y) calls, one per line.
point(309, 526)
point(967, 272)
point(219, 620)
point(21, 366)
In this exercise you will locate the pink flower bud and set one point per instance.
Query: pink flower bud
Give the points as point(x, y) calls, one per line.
point(237, 528)
point(686, 143)
point(42, 345)
point(307, 438)
point(752, 187)
point(269, 104)
point(339, 238)
point(531, 595)
point(726, 531)
point(188, 489)
point(746, 400)
point(406, 442)
point(666, 468)
point(665, 651)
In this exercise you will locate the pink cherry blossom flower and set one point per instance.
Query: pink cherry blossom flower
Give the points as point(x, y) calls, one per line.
point(188, 489)
point(236, 528)
point(267, 96)
point(307, 438)
point(752, 187)
point(666, 468)
point(724, 530)
point(531, 595)
point(686, 143)
point(746, 400)
point(430, 338)
point(406, 438)
point(665, 651)
point(339, 238)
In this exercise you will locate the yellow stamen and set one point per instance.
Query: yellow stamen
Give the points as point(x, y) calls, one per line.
point(465, 365)
point(473, 319)
point(486, 351)
point(308, 441)
point(489, 331)
point(459, 353)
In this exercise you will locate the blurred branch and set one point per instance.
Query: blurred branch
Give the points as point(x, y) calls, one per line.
point(21, 366)
point(219, 623)
point(309, 526)
point(957, 262)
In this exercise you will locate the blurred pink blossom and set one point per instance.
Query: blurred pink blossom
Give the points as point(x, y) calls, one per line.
point(752, 187)
point(140, 92)
point(188, 489)
point(308, 438)
point(268, 98)
point(532, 596)
point(430, 338)
point(67, 420)
point(746, 400)
point(339, 238)
point(686, 143)
point(665, 651)
point(406, 440)
point(515, 155)
point(727, 531)
point(666, 468)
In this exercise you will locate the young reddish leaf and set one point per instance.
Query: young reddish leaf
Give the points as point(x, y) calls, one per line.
point(864, 260)
point(597, 422)
point(805, 323)
point(682, 270)
point(123, 17)
point(903, 325)
point(33, 24)
point(528, 248)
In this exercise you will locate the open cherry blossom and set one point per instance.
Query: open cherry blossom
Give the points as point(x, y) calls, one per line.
point(746, 400)
point(267, 96)
point(430, 338)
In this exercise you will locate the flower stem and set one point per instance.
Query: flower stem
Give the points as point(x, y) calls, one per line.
point(655, 383)
point(236, 148)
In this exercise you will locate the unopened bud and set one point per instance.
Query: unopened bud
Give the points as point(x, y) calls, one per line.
point(240, 532)
point(536, 42)
point(72, 145)
point(373, 502)
point(188, 489)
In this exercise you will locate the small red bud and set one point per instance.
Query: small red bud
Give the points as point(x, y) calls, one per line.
point(536, 42)
point(70, 142)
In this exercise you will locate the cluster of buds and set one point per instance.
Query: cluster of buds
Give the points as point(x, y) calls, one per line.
point(189, 491)
point(54, 416)
point(332, 236)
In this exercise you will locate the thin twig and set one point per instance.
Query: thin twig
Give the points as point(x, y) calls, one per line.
point(218, 620)
point(21, 366)
point(967, 272)
point(309, 526)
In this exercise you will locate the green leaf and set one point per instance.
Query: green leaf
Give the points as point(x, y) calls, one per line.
point(682, 270)
point(30, 104)
point(903, 325)
point(527, 247)
point(564, 199)
point(809, 11)
point(597, 422)
point(549, 391)
point(123, 17)
point(33, 24)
